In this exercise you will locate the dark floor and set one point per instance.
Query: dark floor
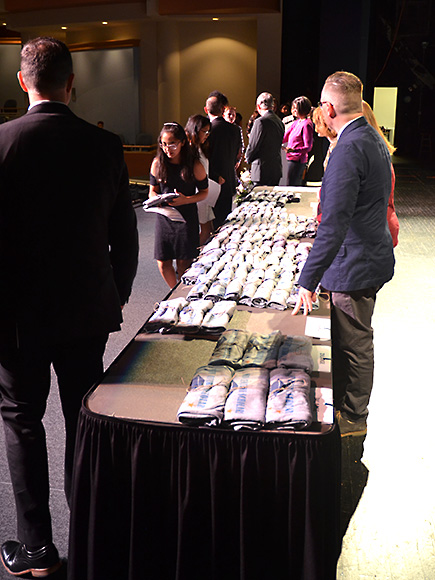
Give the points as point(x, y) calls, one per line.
point(388, 502)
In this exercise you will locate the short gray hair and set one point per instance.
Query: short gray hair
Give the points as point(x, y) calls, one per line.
point(265, 101)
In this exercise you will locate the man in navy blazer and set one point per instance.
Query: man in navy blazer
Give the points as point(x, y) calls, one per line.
point(265, 142)
point(68, 257)
point(352, 255)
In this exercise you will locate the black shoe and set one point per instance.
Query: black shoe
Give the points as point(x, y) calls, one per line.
point(18, 560)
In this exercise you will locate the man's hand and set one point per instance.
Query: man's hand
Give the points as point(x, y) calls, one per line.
point(305, 301)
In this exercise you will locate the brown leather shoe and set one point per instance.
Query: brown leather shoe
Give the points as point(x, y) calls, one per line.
point(348, 428)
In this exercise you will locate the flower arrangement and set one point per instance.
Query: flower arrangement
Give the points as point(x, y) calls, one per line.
point(245, 186)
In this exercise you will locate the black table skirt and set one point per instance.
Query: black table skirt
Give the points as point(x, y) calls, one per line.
point(170, 502)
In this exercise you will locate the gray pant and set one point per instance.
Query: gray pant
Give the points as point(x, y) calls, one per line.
point(352, 350)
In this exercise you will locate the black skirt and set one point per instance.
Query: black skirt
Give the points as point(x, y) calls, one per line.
point(175, 240)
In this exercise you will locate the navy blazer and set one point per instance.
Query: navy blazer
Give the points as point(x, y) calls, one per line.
point(353, 248)
point(68, 236)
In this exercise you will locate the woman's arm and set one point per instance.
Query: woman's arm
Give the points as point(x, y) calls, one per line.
point(200, 175)
point(154, 187)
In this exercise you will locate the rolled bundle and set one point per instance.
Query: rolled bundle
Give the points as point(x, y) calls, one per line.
point(278, 299)
point(166, 314)
point(211, 257)
point(216, 320)
point(197, 291)
point(216, 291)
point(230, 348)
point(262, 295)
point(241, 272)
point(245, 406)
point(234, 290)
point(295, 353)
point(204, 402)
point(288, 404)
point(262, 350)
point(272, 272)
point(285, 281)
point(191, 316)
point(248, 293)
point(190, 276)
point(226, 275)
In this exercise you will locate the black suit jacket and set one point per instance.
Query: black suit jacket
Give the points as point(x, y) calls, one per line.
point(264, 149)
point(68, 236)
point(224, 145)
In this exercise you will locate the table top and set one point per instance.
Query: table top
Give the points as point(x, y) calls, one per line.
point(148, 380)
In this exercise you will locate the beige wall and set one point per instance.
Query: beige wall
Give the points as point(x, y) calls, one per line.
point(218, 56)
point(183, 59)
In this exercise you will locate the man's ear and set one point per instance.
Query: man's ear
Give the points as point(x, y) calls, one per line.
point(70, 82)
point(21, 81)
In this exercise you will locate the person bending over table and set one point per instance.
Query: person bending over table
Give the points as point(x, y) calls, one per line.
point(175, 170)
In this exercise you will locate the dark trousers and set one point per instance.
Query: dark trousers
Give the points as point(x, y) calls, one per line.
point(295, 172)
point(223, 204)
point(24, 386)
point(352, 350)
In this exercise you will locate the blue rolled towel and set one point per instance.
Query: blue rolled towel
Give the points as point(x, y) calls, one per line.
point(204, 402)
point(288, 403)
point(245, 407)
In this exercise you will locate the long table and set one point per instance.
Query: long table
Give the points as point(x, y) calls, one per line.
point(153, 498)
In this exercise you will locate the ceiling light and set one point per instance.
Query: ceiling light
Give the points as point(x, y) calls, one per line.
point(215, 18)
point(64, 27)
point(104, 22)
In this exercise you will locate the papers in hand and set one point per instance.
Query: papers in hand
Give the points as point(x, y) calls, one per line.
point(158, 204)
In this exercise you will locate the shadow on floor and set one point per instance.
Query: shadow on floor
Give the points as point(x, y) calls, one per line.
point(354, 476)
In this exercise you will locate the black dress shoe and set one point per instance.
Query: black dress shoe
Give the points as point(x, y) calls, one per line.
point(18, 560)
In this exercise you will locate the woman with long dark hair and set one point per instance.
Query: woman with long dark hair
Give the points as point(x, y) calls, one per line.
point(176, 170)
point(197, 130)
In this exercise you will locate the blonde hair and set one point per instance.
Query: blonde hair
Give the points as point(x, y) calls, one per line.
point(319, 121)
point(371, 120)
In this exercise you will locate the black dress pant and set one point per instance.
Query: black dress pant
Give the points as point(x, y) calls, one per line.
point(295, 172)
point(352, 350)
point(25, 375)
point(224, 204)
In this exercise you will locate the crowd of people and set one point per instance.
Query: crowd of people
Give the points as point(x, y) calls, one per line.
point(216, 142)
point(69, 248)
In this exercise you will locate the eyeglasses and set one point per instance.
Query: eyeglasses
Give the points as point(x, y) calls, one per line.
point(205, 131)
point(170, 146)
point(321, 103)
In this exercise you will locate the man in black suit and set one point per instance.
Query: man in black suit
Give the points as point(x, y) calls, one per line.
point(68, 257)
point(225, 145)
point(265, 141)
